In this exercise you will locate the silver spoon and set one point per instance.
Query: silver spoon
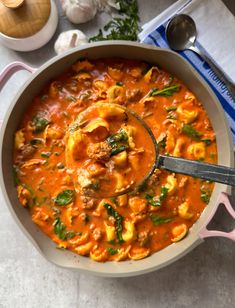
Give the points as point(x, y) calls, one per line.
point(181, 34)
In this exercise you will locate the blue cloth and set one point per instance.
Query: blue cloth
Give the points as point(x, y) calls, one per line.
point(157, 38)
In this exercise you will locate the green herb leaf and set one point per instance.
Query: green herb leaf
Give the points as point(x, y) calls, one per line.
point(171, 108)
point(157, 202)
point(112, 251)
point(167, 91)
point(191, 132)
point(152, 200)
point(36, 141)
point(119, 83)
point(206, 141)
point(118, 142)
point(40, 123)
point(125, 28)
point(118, 220)
point(86, 219)
point(46, 154)
point(60, 230)
point(65, 197)
point(71, 98)
point(114, 200)
point(60, 165)
point(152, 91)
point(158, 220)
point(205, 196)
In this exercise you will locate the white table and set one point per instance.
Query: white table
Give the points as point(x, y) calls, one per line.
point(203, 278)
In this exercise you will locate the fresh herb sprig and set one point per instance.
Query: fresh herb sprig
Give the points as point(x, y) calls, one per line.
point(121, 28)
point(167, 91)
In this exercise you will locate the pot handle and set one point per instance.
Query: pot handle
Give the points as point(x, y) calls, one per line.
point(12, 68)
point(9, 70)
point(204, 232)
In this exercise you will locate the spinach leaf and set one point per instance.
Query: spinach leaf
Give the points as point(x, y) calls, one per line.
point(152, 91)
point(71, 98)
point(40, 123)
point(205, 196)
point(46, 154)
point(171, 108)
point(112, 251)
point(60, 230)
point(191, 132)
point(167, 91)
point(65, 197)
point(36, 141)
point(158, 220)
point(118, 220)
point(157, 202)
point(114, 200)
point(152, 200)
point(118, 142)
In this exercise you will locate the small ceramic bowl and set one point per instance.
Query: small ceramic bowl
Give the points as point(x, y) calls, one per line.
point(38, 39)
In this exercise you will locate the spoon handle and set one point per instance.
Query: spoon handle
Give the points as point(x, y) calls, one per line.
point(215, 173)
point(216, 69)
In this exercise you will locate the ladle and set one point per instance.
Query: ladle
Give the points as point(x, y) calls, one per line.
point(205, 171)
point(181, 34)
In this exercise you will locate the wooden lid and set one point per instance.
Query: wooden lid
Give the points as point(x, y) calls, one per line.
point(23, 18)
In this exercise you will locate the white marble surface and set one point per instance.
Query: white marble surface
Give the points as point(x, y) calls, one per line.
point(203, 278)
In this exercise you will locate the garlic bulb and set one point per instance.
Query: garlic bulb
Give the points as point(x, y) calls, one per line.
point(79, 11)
point(69, 39)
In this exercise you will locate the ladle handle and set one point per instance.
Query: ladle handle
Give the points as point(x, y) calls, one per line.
point(215, 173)
point(220, 74)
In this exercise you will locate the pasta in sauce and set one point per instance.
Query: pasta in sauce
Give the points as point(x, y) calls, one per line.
point(58, 154)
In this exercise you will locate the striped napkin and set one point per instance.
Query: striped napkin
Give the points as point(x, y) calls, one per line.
point(217, 41)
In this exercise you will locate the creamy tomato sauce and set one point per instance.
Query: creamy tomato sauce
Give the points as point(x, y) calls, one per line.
point(59, 154)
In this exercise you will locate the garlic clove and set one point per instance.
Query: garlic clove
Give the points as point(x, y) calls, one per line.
point(69, 39)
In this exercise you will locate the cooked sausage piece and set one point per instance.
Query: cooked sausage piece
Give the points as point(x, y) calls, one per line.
point(100, 151)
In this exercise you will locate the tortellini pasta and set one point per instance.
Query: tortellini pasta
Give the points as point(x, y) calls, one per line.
point(129, 231)
point(197, 150)
point(171, 184)
point(186, 115)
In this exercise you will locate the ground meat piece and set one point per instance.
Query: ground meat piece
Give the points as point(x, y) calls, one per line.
point(133, 95)
point(100, 151)
point(143, 238)
point(27, 150)
point(88, 203)
point(97, 234)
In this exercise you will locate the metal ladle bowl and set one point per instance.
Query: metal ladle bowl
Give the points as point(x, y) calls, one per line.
point(205, 171)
